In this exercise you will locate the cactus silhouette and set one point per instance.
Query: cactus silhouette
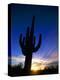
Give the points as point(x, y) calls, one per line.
point(28, 46)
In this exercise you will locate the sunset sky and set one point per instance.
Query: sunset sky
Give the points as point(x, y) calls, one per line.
point(46, 23)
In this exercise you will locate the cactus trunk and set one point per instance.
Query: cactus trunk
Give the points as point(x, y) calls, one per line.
point(28, 60)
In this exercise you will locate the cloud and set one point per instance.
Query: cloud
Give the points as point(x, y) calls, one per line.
point(16, 60)
point(54, 57)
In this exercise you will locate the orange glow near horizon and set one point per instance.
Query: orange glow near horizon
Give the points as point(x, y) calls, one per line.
point(36, 67)
point(38, 64)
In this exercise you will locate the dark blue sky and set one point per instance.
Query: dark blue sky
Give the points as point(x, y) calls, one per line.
point(46, 23)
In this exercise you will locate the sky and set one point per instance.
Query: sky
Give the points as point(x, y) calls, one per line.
point(46, 23)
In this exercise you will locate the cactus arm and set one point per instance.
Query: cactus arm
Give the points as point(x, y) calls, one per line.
point(21, 41)
point(27, 33)
point(32, 27)
point(24, 41)
point(34, 39)
point(22, 44)
point(23, 50)
point(38, 45)
point(27, 36)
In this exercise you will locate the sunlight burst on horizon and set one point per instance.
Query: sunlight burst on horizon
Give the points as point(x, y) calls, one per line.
point(36, 68)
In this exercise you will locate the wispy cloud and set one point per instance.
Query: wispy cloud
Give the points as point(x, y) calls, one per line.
point(16, 60)
point(53, 57)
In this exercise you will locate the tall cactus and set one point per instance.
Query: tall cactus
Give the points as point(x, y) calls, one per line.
point(28, 45)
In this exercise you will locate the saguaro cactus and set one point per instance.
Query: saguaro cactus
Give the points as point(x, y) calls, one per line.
point(28, 45)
